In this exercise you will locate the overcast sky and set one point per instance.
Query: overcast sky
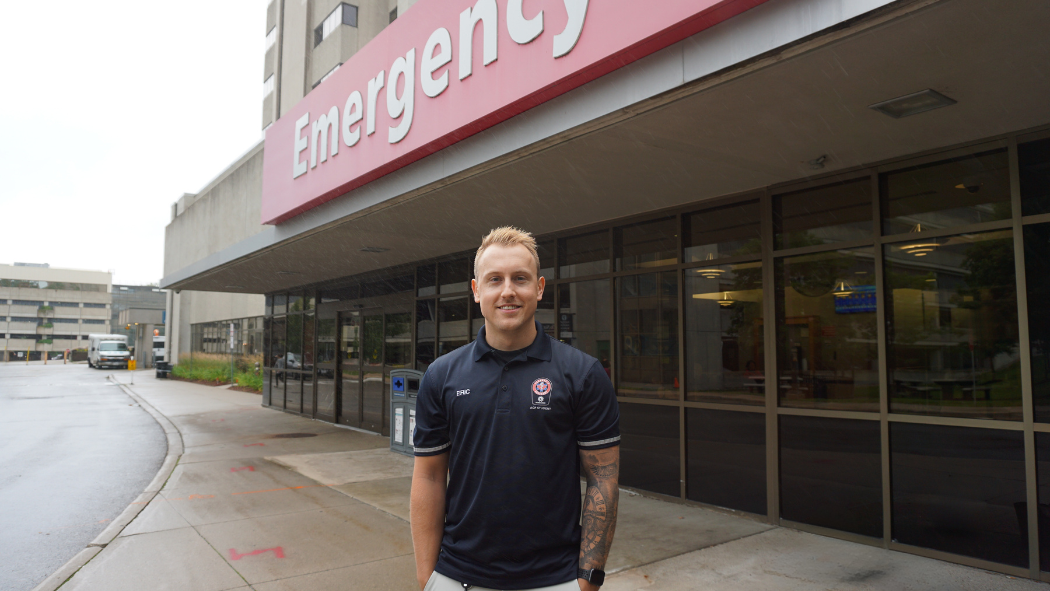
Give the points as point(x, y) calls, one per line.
point(109, 111)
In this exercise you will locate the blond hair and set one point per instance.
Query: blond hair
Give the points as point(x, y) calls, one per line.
point(508, 236)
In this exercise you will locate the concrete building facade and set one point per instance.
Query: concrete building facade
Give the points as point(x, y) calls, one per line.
point(806, 239)
point(45, 311)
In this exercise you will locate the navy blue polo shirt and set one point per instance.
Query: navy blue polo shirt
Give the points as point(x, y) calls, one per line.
point(512, 509)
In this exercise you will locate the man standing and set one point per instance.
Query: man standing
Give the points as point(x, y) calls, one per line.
point(509, 419)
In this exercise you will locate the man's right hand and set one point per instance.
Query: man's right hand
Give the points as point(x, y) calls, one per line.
point(427, 512)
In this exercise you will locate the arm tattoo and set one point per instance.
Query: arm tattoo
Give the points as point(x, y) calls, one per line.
point(600, 505)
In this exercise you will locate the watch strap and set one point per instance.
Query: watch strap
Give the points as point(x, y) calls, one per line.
point(595, 576)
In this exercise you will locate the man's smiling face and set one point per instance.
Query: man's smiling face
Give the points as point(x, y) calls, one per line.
point(508, 288)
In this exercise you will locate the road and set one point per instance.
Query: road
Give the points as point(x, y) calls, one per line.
point(75, 450)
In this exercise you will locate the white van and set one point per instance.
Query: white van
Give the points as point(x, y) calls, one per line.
point(108, 350)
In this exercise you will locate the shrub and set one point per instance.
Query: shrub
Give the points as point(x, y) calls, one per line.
point(215, 367)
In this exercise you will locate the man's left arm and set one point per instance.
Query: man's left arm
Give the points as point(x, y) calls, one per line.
point(602, 467)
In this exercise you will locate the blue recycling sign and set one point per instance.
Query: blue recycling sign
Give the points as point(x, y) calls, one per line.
point(399, 384)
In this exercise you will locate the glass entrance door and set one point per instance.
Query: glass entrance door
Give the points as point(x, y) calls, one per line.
point(348, 380)
point(374, 395)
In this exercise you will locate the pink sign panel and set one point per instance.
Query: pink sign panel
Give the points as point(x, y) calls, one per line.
point(448, 69)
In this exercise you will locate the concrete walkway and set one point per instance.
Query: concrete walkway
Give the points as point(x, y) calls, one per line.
point(265, 500)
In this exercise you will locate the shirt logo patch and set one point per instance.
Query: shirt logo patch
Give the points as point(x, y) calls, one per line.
point(541, 392)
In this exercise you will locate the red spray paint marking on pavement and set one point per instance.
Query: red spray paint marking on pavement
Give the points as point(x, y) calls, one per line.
point(251, 444)
point(248, 468)
point(278, 552)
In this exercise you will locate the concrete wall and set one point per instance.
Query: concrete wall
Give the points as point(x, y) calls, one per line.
point(193, 307)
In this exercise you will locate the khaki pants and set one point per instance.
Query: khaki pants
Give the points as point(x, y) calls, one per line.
point(439, 582)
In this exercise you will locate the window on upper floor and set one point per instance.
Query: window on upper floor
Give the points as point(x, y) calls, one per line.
point(271, 38)
point(268, 86)
point(344, 14)
point(87, 305)
point(66, 304)
point(393, 14)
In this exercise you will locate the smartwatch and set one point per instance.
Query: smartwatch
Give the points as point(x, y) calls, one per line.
point(595, 576)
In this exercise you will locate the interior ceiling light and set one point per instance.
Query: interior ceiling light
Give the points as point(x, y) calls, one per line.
point(913, 104)
point(375, 249)
point(712, 272)
point(843, 290)
point(919, 250)
point(725, 302)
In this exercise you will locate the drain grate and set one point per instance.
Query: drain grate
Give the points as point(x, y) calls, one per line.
point(292, 435)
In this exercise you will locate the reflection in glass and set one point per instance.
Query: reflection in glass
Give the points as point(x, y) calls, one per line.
point(648, 308)
point(647, 245)
point(957, 192)
point(840, 212)
point(960, 490)
point(308, 363)
point(279, 342)
point(267, 392)
point(649, 454)
point(372, 392)
point(349, 380)
point(426, 280)
point(831, 473)
point(1042, 458)
point(295, 302)
point(546, 252)
point(723, 334)
point(294, 392)
point(280, 303)
point(1037, 277)
point(398, 340)
point(584, 255)
point(827, 354)
point(453, 331)
point(727, 459)
point(455, 275)
point(1034, 160)
point(723, 232)
point(269, 305)
point(585, 317)
point(426, 332)
point(326, 361)
point(268, 355)
point(952, 337)
point(295, 341)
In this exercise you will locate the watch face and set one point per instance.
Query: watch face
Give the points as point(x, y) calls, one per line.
point(597, 577)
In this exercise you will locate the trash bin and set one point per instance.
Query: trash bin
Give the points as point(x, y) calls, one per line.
point(404, 387)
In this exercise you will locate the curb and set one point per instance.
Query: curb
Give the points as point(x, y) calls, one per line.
point(175, 450)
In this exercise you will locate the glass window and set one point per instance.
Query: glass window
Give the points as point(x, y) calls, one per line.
point(1037, 277)
point(585, 317)
point(584, 255)
point(957, 192)
point(293, 393)
point(426, 331)
point(279, 340)
point(1034, 160)
point(831, 473)
point(952, 334)
point(280, 304)
point(308, 301)
point(455, 275)
point(647, 245)
point(399, 340)
point(308, 342)
point(840, 212)
point(649, 454)
point(269, 305)
point(730, 231)
point(326, 361)
point(827, 354)
point(341, 293)
point(453, 331)
point(1042, 455)
point(960, 490)
point(546, 252)
point(648, 309)
point(723, 334)
point(295, 341)
point(727, 459)
point(426, 280)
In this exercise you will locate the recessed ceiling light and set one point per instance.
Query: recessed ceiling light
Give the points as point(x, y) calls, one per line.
point(375, 249)
point(913, 104)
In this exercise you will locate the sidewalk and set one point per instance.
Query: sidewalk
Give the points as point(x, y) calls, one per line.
point(267, 501)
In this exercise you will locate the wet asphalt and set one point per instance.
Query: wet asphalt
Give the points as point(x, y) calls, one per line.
point(75, 450)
